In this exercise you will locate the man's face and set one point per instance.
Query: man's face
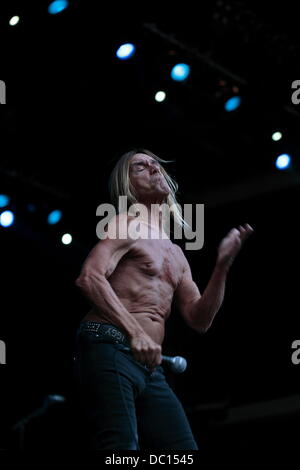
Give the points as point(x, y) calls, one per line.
point(146, 178)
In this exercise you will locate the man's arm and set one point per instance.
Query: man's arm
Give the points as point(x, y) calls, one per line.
point(204, 310)
point(199, 310)
point(92, 281)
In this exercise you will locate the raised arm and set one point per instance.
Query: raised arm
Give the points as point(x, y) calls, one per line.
point(187, 293)
point(199, 310)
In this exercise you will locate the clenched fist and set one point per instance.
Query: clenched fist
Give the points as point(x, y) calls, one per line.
point(146, 351)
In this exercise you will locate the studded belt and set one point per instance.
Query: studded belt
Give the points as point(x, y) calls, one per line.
point(105, 331)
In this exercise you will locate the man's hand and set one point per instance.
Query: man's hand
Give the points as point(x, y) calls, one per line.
point(146, 351)
point(231, 244)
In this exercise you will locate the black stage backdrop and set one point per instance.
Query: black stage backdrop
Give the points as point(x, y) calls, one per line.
point(72, 109)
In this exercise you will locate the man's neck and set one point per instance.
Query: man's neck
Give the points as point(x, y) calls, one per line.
point(154, 218)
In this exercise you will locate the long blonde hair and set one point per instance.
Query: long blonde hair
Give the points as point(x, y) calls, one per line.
point(119, 184)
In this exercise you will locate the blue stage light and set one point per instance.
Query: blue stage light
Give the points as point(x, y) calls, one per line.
point(283, 161)
point(125, 51)
point(233, 103)
point(6, 218)
point(57, 6)
point(54, 217)
point(4, 200)
point(180, 72)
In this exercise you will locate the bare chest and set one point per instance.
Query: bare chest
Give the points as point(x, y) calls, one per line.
point(158, 259)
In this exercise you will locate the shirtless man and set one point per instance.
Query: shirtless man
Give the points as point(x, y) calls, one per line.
point(131, 283)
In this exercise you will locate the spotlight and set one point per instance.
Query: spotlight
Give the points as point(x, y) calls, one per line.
point(160, 96)
point(283, 161)
point(66, 239)
point(6, 218)
point(54, 217)
point(233, 103)
point(180, 72)
point(276, 136)
point(57, 6)
point(4, 200)
point(125, 51)
point(14, 20)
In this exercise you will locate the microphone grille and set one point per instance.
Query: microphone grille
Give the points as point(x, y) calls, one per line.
point(180, 364)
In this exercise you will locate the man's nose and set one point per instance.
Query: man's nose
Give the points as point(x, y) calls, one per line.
point(153, 169)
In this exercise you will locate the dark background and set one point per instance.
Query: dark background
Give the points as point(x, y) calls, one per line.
point(72, 110)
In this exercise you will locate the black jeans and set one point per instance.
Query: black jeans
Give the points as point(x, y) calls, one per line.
point(126, 406)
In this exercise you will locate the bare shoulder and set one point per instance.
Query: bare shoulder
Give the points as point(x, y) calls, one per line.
point(179, 251)
point(118, 228)
point(114, 243)
point(184, 264)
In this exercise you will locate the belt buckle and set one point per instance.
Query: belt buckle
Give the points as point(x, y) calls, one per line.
point(97, 328)
point(92, 328)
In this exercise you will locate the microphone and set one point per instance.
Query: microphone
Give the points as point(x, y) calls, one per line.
point(177, 364)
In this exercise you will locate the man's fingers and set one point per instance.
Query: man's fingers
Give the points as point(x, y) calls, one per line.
point(245, 231)
point(150, 356)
